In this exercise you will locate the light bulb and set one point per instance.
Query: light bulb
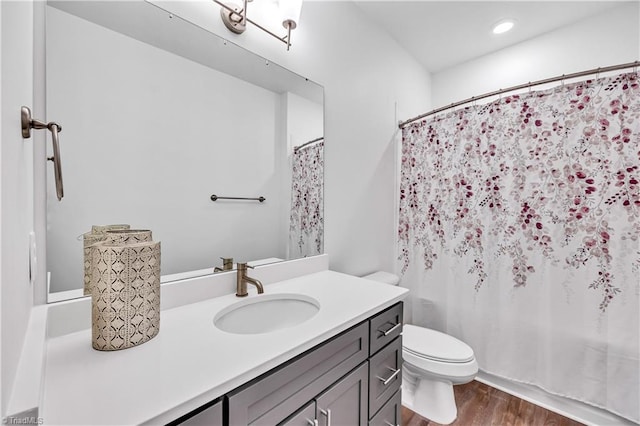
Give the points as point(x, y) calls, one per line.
point(502, 27)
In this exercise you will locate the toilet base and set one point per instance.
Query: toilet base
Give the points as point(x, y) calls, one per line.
point(430, 398)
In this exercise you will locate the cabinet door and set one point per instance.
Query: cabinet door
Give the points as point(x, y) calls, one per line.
point(345, 403)
point(211, 416)
point(305, 417)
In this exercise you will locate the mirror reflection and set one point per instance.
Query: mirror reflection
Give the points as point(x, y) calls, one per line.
point(158, 116)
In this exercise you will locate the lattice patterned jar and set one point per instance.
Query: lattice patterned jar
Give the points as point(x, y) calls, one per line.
point(125, 294)
point(96, 235)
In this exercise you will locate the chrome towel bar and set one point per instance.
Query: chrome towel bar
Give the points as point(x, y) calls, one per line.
point(216, 198)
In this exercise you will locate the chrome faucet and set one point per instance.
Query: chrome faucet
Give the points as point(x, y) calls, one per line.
point(227, 264)
point(243, 279)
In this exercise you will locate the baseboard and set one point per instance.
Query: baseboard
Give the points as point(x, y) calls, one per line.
point(575, 410)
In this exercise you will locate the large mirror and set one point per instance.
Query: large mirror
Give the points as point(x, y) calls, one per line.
point(158, 115)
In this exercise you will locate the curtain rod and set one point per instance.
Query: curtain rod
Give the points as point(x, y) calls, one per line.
point(402, 124)
point(298, 148)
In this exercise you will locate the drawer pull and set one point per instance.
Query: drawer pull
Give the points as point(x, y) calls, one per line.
point(314, 422)
point(386, 381)
point(327, 413)
point(391, 330)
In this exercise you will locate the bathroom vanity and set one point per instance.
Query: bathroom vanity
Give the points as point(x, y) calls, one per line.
point(340, 366)
point(351, 379)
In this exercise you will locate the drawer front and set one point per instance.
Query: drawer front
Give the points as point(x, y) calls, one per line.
point(390, 414)
point(272, 398)
point(385, 327)
point(385, 375)
point(305, 417)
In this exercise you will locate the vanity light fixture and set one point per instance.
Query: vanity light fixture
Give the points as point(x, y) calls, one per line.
point(503, 26)
point(235, 17)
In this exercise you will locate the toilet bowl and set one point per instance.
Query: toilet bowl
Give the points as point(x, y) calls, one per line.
point(432, 363)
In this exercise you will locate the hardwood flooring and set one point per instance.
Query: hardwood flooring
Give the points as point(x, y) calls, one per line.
point(482, 405)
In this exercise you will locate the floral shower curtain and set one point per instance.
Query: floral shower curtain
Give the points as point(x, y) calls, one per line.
point(306, 224)
point(520, 223)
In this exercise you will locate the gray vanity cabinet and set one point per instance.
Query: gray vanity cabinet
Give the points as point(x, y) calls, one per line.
point(273, 397)
point(352, 379)
point(345, 403)
point(385, 375)
point(211, 416)
point(390, 414)
point(305, 417)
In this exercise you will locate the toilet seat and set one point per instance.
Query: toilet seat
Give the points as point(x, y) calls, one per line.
point(438, 355)
point(433, 345)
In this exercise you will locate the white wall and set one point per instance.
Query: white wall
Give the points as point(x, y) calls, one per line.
point(147, 137)
point(16, 193)
point(609, 38)
point(370, 83)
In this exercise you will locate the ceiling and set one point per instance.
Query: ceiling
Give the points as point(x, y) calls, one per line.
point(440, 34)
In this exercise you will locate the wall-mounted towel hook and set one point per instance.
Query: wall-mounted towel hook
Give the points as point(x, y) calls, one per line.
point(29, 123)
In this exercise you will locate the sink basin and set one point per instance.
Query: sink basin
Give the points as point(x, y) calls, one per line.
point(266, 313)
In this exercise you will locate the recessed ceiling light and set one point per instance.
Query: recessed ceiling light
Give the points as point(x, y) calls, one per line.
point(503, 26)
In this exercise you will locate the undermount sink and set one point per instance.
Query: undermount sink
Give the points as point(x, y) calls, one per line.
point(266, 313)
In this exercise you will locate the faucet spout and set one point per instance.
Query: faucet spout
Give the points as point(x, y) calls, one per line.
point(255, 282)
point(243, 279)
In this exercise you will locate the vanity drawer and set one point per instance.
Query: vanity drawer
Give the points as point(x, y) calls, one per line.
point(385, 375)
point(270, 399)
point(385, 327)
point(390, 414)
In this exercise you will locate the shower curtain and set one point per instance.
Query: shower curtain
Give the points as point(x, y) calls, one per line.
point(519, 233)
point(306, 220)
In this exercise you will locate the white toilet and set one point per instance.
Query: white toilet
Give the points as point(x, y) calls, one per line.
point(433, 363)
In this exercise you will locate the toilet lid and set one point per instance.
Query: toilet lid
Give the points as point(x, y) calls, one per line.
point(432, 344)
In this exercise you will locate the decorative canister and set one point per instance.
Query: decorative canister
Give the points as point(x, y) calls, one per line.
point(127, 236)
point(125, 294)
point(96, 235)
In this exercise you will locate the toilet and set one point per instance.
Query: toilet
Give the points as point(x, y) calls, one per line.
point(432, 363)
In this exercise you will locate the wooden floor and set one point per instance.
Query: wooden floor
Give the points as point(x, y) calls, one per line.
point(481, 405)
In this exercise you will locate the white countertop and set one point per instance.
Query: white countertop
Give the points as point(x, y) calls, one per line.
point(192, 362)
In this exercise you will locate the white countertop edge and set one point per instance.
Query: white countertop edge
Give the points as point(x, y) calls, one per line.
point(222, 389)
point(25, 397)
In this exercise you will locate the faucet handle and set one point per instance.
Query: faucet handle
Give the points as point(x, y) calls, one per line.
point(227, 262)
point(244, 265)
